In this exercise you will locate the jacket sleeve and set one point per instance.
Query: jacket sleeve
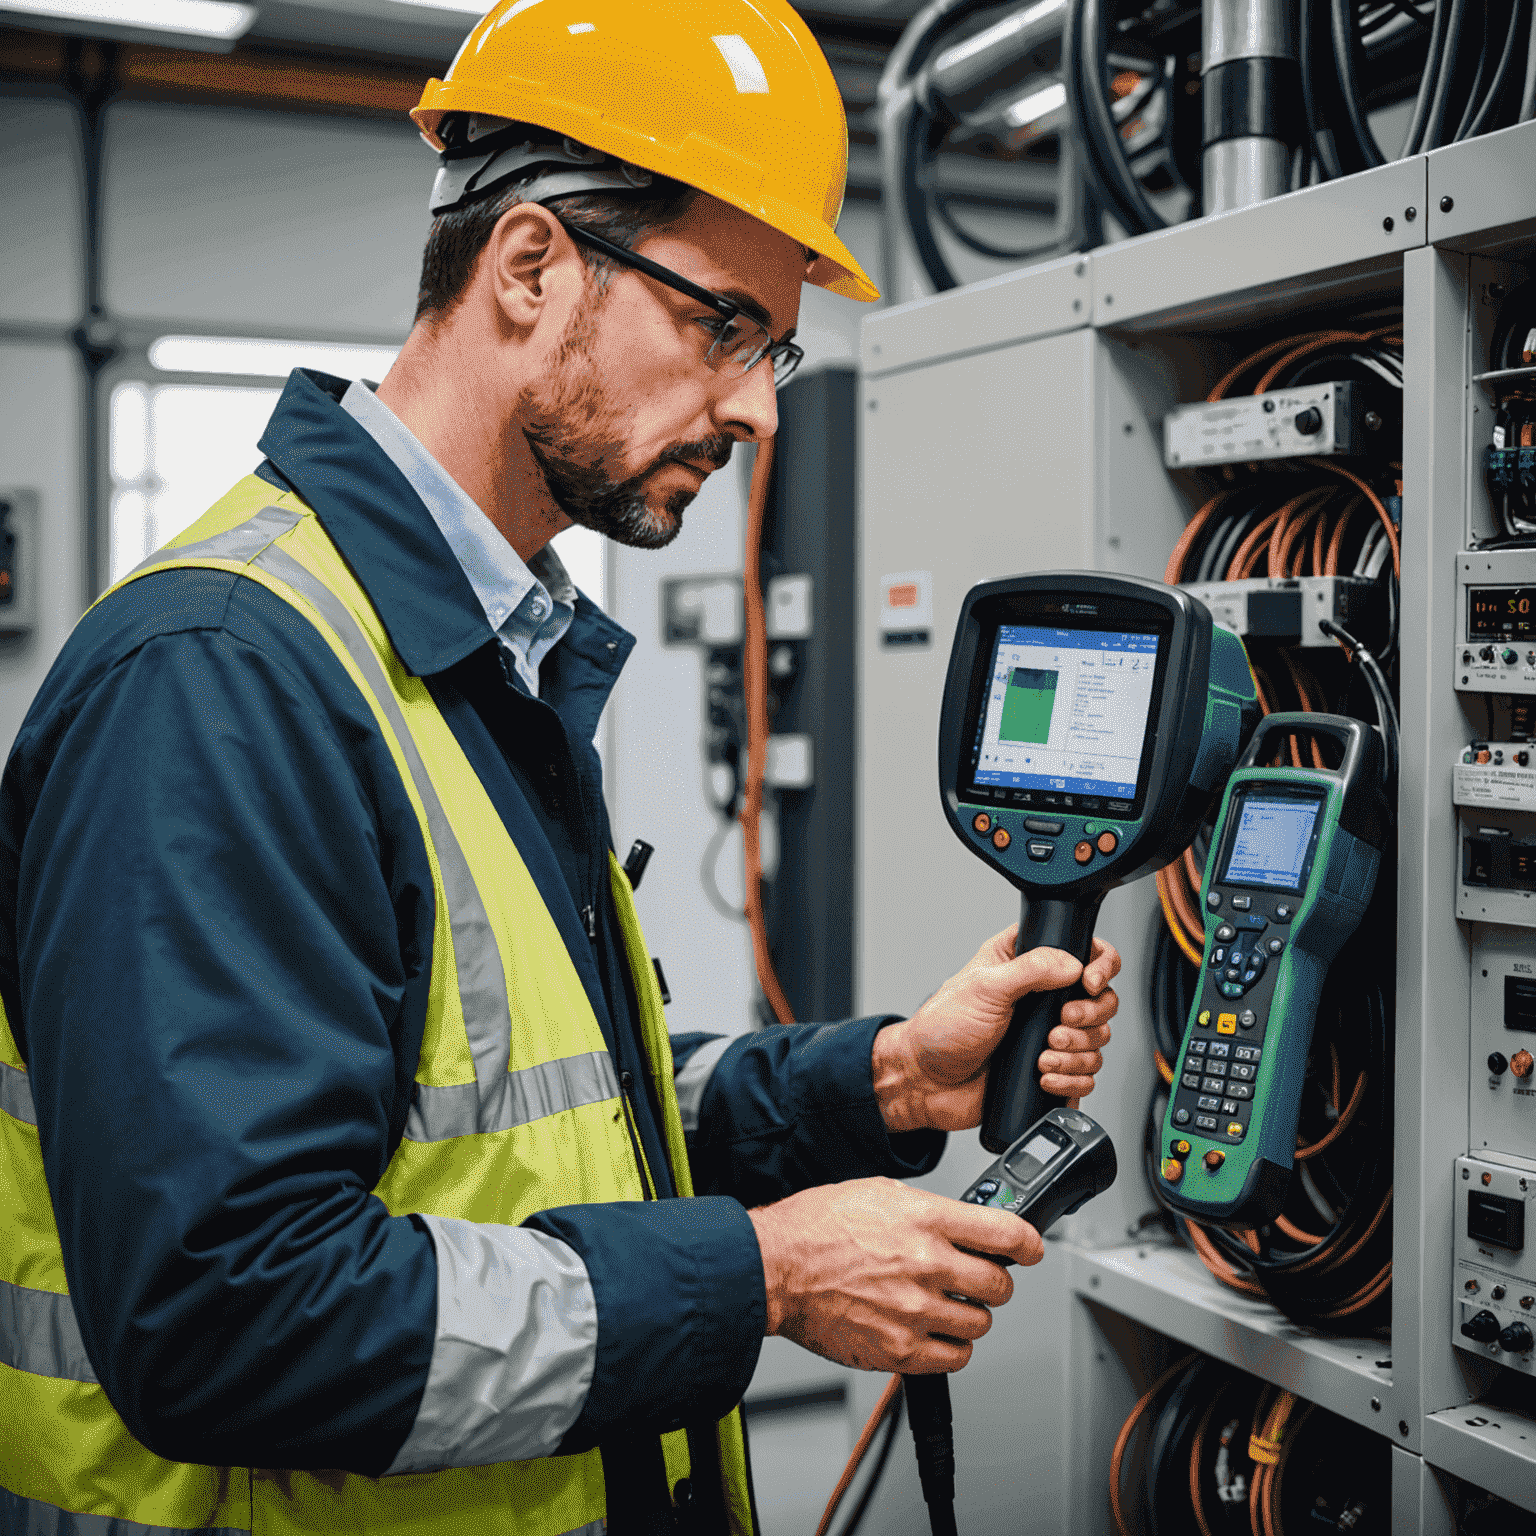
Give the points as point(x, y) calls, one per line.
point(222, 919)
point(785, 1108)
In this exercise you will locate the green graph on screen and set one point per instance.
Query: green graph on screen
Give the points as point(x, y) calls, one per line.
point(1027, 704)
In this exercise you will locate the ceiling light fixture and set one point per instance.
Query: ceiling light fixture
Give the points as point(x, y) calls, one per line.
point(217, 21)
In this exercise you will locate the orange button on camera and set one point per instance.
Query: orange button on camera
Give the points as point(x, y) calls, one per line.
point(1000, 838)
point(1108, 842)
point(983, 822)
point(1083, 852)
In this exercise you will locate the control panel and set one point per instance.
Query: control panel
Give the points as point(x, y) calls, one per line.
point(1494, 1278)
point(1496, 621)
point(1502, 1121)
point(1345, 417)
point(1493, 786)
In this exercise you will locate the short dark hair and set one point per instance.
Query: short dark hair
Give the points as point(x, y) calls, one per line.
point(457, 237)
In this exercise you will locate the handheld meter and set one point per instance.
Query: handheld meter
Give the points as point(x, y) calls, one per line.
point(1088, 722)
point(1060, 1162)
point(1292, 867)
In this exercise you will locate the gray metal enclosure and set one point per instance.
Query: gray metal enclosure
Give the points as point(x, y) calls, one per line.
point(1015, 425)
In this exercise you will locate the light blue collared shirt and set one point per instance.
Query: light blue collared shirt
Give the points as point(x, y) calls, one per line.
point(529, 606)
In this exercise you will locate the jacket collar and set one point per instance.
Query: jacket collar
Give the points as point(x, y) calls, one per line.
point(389, 538)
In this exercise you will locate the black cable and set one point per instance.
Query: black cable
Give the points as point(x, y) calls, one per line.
point(933, 1435)
point(1346, 49)
point(1528, 92)
point(1500, 75)
point(1085, 45)
point(1414, 141)
point(882, 1455)
point(1477, 75)
point(1439, 107)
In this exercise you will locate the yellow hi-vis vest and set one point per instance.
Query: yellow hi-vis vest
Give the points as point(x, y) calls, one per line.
point(517, 1109)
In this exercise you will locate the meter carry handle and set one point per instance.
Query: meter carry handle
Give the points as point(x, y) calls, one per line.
point(1014, 1099)
point(1358, 741)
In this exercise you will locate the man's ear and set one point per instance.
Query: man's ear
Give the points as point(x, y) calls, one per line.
point(523, 253)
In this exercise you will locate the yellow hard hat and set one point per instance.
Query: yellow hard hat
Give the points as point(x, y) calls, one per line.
point(733, 97)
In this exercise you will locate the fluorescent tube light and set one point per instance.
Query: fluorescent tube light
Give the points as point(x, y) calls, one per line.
point(257, 356)
point(458, 7)
point(222, 20)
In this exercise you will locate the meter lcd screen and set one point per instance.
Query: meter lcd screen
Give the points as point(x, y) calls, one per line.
point(1271, 843)
point(1027, 1164)
point(1501, 613)
point(1066, 710)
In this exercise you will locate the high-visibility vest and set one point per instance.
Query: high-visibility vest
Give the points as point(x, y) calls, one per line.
point(517, 1109)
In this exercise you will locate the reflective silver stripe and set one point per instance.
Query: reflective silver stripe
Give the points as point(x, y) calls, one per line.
point(31, 1517)
point(515, 1349)
point(482, 982)
point(39, 1334)
point(692, 1078)
point(529, 1094)
point(16, 1094)
point(242, 543)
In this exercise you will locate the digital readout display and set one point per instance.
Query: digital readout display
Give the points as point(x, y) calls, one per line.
point(1067, 710)
point(1499, 613)
point(1027, 1164)
point(1271, 842)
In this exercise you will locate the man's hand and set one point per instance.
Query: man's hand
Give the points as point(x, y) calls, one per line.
point(931, 1070)
point(866, 1273)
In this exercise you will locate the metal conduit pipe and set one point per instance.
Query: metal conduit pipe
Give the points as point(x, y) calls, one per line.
point(967, 77)
point(1250, 82)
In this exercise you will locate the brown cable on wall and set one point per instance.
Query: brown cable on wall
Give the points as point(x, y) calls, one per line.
point(754, 669)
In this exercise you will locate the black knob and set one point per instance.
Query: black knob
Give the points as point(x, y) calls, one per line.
point(1497, 1064)
point(1485, 654)
point(1517, 1338)
point(1310, 421)
point(1483, 1327)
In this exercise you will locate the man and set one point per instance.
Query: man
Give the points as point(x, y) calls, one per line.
point(345, 1175)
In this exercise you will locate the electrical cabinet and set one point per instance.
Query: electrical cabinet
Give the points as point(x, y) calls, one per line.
point(1017, 425)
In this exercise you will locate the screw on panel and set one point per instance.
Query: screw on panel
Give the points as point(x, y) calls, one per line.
point(1129, 428)
point(873, 404)
point(1386, 224)
point(1109, 298)
point(1077, 304)
point(1447, 203)
point(1375, 1405)
point(1410, 214)
point(1079, 269)
point(1402, 1428)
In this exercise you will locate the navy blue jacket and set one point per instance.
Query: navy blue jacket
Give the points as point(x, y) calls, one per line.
point(216, 923)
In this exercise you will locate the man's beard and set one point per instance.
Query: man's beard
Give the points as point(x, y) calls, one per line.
point(577, 467)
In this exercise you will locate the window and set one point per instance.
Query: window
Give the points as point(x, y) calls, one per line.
point(176, 447)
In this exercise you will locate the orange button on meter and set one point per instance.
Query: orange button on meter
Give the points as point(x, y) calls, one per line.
point(1214, 1159)
point(983, 822)
point(1173, 1169)
point(1226, 1024)
point(1108, 842)
point(1000, 838)
point(1083, 852)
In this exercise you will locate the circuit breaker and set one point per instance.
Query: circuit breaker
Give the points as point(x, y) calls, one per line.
point(1494, 1282)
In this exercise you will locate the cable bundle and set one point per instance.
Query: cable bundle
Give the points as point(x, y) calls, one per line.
point(1209, 1449)
point(1510, 459)
point(1327, 1259)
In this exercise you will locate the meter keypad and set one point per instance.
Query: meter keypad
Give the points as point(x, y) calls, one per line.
point(1239, 973)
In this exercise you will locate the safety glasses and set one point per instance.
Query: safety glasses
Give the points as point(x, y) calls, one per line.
point(740, 343)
